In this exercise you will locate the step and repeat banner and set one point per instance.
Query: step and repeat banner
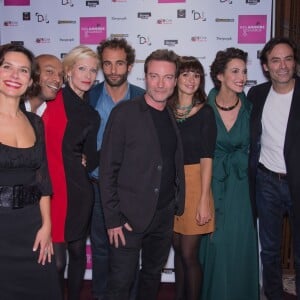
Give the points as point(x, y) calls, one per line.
point(189, 27)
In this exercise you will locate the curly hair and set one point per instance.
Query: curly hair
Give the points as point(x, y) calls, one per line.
point(222, 59)
point(117, 43)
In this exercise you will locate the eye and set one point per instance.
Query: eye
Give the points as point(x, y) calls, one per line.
point(81, 68)
point(49, 72)
point(24, 70)
point(121, 63)
point(106, 64)
point(169, 77)
point(94, 71)
point(197, 76)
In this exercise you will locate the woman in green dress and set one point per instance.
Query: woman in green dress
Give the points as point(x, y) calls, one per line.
point(230, 255)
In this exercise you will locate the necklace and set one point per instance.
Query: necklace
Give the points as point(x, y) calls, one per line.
point(227, 108)
point(182, 116)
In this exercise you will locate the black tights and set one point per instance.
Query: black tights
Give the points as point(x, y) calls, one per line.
point(188, 272)
point(76, 267)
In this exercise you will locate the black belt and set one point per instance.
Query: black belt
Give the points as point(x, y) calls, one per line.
point(18, 196)
point(279, 176)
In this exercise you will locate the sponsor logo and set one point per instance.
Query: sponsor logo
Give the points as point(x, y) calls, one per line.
point(181, 13)
point(228, 1)
point(252, 2)
point(250, 83)
point(66, 22)
point(119, 1)
point(143, 40)
point(170, 43)
point(68, 40)
point(144, 15)
point(119, 18)
point(67, 2)
point(42, 40)
point(41, 18)
point(26, 16)
point(62, 55)
point(91, 3)
point(16, 2)
point(10, 23)
point(198, 16)
point(164, 21)
point(223, 38)
point(20, 43)
point(224, 20)
point(119, 35)
point(252, 29)
point(199, 38)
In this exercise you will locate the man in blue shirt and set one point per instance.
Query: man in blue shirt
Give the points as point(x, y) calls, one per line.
point(117, 59)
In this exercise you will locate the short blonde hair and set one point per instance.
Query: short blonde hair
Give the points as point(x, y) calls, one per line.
point(77, 53)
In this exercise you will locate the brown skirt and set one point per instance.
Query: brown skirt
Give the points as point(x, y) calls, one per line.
point(186, 223)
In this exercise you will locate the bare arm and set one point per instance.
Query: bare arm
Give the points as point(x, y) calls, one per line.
point(203, 214)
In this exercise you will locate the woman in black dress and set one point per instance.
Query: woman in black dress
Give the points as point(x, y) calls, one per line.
point(71, 127)
point(27, 271)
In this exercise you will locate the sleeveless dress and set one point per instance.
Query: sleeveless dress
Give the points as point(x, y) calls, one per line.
point(21, 277)
point(198, 135)
point(229, 255)
point(71, 127)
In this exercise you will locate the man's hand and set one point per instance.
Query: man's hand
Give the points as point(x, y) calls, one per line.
point(116, 233)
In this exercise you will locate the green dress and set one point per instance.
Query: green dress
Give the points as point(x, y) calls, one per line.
point(229, 256)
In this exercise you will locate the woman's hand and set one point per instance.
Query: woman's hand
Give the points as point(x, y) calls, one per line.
point(203, 213)
point(43, 243)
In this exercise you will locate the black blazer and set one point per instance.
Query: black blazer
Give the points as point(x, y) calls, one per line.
point(131, 166)
point(257, 95)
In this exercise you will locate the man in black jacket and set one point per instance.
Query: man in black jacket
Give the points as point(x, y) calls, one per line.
point(275, 159)
point(142, 181)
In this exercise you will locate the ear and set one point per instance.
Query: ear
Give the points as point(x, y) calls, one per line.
point(129, 68)
point(265, 67)
point(30, 83)
point(220, 77)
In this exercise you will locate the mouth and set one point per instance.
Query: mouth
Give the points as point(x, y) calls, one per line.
point(53, 87)
point(12, 84)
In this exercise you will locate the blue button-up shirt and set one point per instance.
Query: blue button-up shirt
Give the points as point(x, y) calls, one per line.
point(104, 106)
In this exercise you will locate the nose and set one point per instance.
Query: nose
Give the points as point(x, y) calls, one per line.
point(15, 72)
point(161, 82)
point(282, 63)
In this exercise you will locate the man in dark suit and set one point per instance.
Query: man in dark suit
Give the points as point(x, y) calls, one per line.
point(142, 181)
point(275, 159)
point(117, 59)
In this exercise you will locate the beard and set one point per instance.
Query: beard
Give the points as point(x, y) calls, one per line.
point(119, 82)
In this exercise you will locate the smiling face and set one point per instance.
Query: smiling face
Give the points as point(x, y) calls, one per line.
point(234, 76)
point(281, 65)
point(82, 75)
point(15, 75)
point(51, 76)
point(188, 82)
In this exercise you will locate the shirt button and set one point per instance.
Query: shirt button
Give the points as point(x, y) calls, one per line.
point(159, 167)
point(156, 190)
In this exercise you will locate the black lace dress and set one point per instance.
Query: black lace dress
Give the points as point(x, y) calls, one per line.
point(21, 277)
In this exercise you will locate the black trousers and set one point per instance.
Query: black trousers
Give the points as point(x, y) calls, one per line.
point(155, 244)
